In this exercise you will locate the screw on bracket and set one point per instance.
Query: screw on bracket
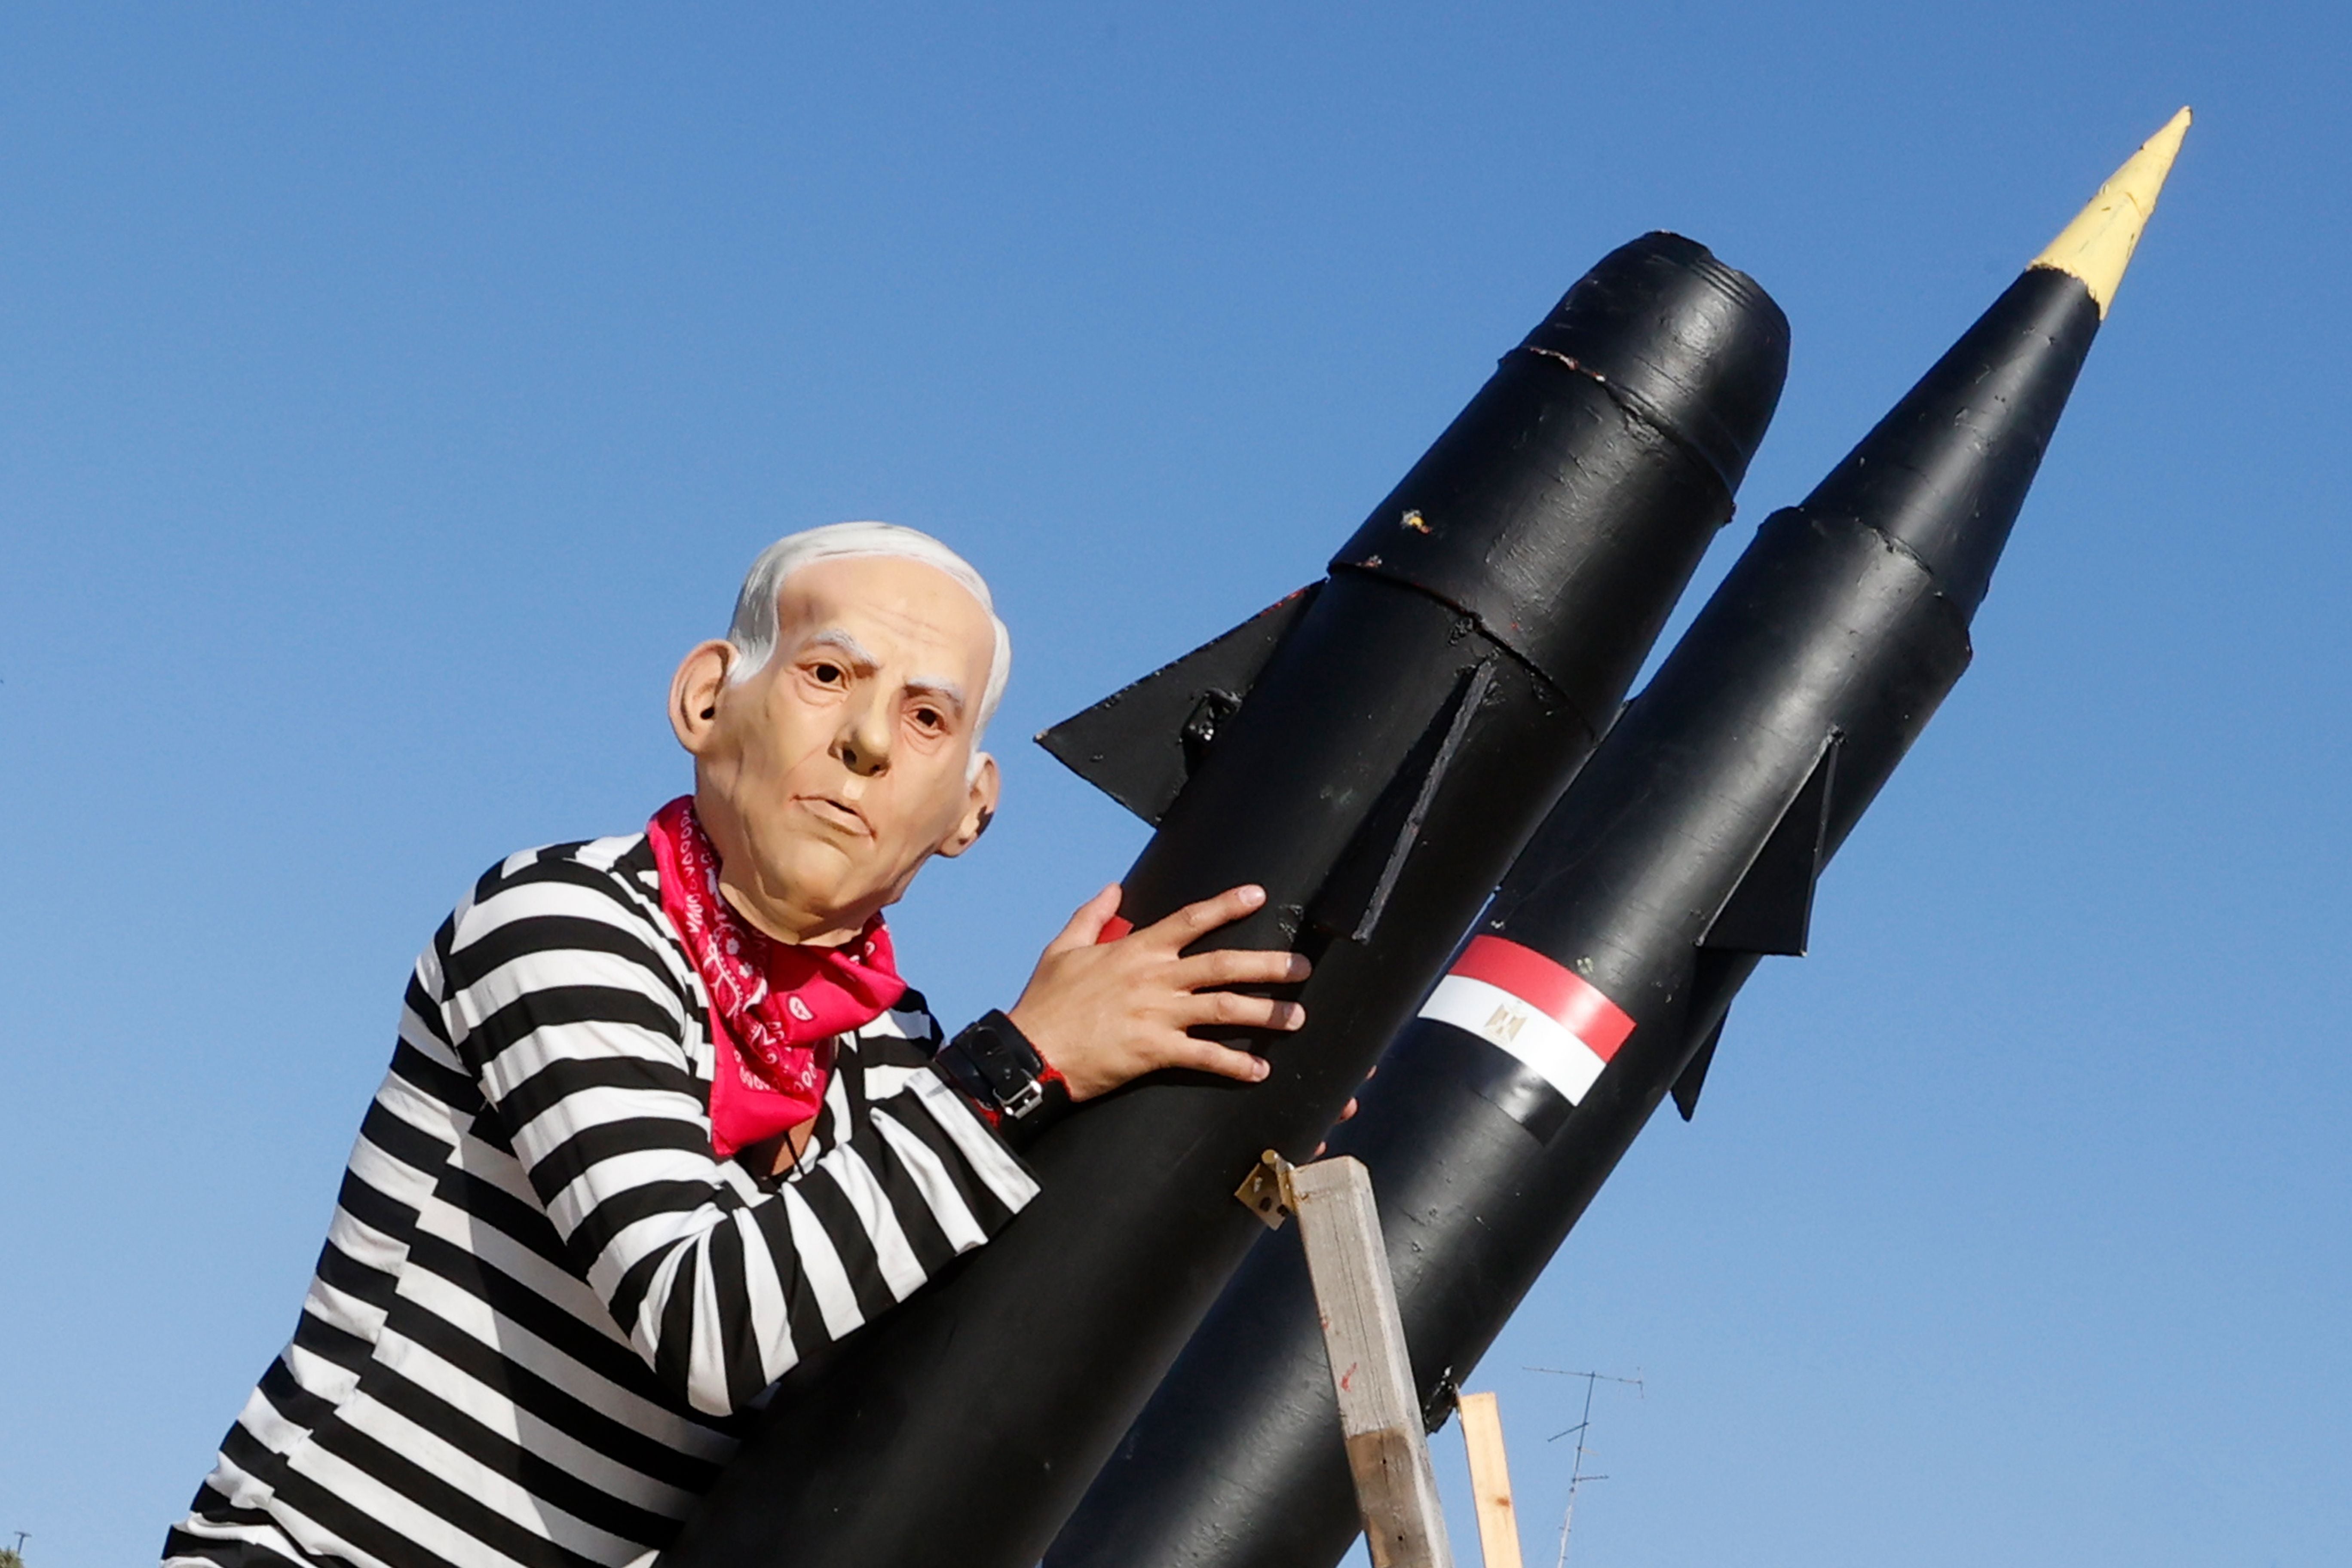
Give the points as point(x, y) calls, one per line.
point(1265, 1191)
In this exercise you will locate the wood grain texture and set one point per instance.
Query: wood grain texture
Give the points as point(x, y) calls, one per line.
point(1388, 1452)
point(1490, 1481)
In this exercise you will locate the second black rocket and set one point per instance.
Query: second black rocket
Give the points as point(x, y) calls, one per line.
point(1599, 979)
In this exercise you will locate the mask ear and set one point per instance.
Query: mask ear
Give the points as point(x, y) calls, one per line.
point(979, 809)
point(695, 693)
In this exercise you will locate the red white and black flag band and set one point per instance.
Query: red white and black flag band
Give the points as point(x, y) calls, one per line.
point(1547, 1015)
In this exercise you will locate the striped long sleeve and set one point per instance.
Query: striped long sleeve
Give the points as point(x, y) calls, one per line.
point(543, 1304)
point(576, 1033)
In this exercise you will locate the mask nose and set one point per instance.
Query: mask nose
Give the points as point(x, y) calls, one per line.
point(863, 743)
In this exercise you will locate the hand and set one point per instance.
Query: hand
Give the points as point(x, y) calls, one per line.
point(1101, 1012)
point(1347, 1113)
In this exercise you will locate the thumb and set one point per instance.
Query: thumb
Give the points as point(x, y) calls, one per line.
point(1085, 927)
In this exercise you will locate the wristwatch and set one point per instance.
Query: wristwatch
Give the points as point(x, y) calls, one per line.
point(992, 1062)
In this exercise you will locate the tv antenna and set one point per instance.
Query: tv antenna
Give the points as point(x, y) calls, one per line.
point(1578, 1478)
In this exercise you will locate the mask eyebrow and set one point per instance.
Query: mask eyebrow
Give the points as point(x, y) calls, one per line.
point(848, 647)
point(949, 692)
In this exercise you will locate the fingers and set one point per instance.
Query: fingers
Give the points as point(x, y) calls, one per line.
point(1195, 921)
point(1347, 1113)
point(1231, 1010)
point(1202, 1056)
point(1240, 966)
point(1085, 927)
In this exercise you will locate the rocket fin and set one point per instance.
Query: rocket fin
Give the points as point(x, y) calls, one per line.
point(1141, 742)
point(1717, 975)
point(1693, 1075)
point(1772, 910)
point(1356, 894)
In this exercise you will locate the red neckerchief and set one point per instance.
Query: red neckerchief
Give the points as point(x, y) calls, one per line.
point(775, 1006)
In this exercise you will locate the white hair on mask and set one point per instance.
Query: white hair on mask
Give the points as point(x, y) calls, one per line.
point(753, 632)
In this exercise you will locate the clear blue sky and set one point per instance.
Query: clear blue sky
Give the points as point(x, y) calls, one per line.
point(388, 397)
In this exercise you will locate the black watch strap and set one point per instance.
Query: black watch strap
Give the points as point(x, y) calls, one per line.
point(996, 1068)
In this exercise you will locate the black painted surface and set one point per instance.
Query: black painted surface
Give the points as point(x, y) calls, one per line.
point(1661, 347)
point(1141, 742)
point(1389, 759)
point(1836, 634)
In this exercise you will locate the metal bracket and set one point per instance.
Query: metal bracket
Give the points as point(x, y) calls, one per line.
point(1265, 1191)
point(1442, 1402)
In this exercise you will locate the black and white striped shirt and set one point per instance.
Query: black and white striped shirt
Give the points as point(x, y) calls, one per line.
point(544, 1307)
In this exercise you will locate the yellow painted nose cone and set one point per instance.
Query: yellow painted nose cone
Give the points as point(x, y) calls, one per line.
point(2097, 246)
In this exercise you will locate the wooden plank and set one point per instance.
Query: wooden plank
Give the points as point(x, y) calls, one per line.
point(1490, 1481)
point(1388, 1451)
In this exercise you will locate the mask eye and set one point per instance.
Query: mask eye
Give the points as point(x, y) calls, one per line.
point(827, 674)
point(929, 719)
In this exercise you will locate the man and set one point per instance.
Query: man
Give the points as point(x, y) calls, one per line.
point(662, 1118)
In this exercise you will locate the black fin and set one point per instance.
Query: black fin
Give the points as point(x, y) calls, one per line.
point(1772, 910)
point(1355, 893)
point(1717, 976)
point(1141, 742)
point(1694, 1076)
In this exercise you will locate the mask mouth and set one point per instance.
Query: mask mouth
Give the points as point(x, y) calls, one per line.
point(837, 813)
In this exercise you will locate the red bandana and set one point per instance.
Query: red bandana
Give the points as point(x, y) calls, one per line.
point(775, 1006)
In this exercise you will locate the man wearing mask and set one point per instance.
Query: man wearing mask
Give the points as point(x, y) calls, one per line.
point(662, 1118)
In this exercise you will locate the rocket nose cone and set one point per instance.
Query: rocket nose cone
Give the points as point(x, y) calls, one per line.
point(1698, 345)
point(1945, 473)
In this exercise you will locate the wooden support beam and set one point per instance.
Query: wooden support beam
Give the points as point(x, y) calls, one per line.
point(1388, 1451)
point(1490, 1481)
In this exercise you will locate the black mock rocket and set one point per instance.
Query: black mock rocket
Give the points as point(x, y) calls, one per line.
point(1597, 980)
point(1373, 751)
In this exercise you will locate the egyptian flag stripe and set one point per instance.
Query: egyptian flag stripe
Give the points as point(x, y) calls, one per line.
point(1504, 1022)
point(1540, 1013)
point(1552, 989)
